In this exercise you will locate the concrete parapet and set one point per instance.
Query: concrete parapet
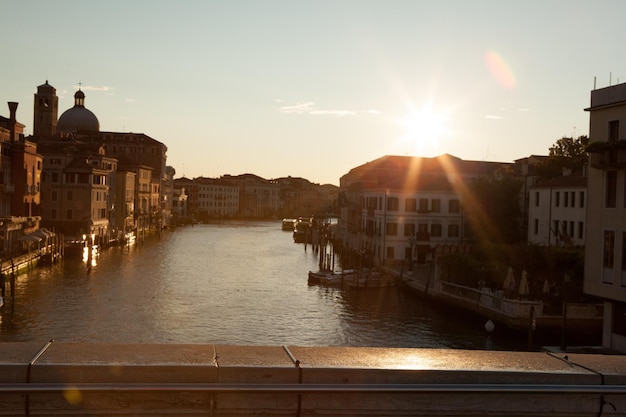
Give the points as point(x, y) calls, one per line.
point(59, 379)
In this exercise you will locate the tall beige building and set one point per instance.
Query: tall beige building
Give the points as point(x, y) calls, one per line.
point(605, 246)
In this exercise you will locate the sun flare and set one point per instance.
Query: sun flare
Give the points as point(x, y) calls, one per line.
point(425, 127)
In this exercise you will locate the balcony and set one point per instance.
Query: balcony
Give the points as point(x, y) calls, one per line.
point(607, 155)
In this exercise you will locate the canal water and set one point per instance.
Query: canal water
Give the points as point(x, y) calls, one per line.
point(232, 282)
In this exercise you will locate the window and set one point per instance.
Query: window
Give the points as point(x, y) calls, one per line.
point(390, 252)
point(555, 228)
point(391, 229)
point(435, 230)
point(55, 177)
point(581, 198)
point(536, 198)
point(422, 228)
point(609, 244)
point(565, 199)
point(409, 229)
point(454, 206)
point(453, 230)
point(410, 204)
point(613, 130)
point(68, 214)
point(557, 198)
point(572, 196)
point(423, 205)
point(610, 189)
point(53, 196)
point(436, 205)
point(392, 203)
point(581, 230)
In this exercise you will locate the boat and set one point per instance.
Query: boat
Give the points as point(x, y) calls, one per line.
point(351, 278)
point(289, 224)
point(302, 231)
point(366, 278)
point(330, 278)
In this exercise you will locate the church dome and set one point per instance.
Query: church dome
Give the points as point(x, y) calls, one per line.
point(78, 118)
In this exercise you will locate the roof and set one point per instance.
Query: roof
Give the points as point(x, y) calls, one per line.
point(78, 119)
point(566, 181)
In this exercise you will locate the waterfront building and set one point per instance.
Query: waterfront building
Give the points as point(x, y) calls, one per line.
point(605, 248)
point(124, 209)
point(557, 211)
point(400, 208)
point(179, 204)
point(20, 182)
point(192, 192)
point(217, 197)
point(258, 197)
point(167, 190)
point(76, 188)
point(139, 153)
point(301, 198)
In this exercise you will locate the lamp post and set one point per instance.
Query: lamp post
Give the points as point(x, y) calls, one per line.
point(412, 243)
point(566, 280)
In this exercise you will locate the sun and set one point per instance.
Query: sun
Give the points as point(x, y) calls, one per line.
point(425, 127)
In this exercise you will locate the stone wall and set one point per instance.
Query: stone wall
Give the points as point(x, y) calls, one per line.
point(63, 379)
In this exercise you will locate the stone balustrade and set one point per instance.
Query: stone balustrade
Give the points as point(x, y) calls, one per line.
point(70, 379)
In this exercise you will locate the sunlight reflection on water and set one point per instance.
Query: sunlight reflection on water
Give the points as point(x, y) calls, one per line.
point(224, 283)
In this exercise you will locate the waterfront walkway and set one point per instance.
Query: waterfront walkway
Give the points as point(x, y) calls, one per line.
point(516, 313)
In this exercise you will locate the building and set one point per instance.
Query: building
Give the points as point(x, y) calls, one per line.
point(605, 245)
point(76, 188)
point(258, 197)
point(217, 197)
point(20, 176)
point(399, 208)
point(140, 157)
point(46, 110)
point(557, 211)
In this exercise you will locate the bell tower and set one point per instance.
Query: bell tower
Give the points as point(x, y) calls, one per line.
point(46, 111)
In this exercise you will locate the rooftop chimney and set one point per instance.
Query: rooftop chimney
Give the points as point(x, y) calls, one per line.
point(12, 110)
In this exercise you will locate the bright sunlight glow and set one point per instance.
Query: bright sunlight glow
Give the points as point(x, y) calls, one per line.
point(425, 127)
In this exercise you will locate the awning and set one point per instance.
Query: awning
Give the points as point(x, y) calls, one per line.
point(29, 238)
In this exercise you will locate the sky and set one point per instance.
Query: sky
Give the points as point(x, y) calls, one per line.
point(313, 89)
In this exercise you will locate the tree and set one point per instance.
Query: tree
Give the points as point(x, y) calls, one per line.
point(568, 147)
point(493, 208)
point(566, 154)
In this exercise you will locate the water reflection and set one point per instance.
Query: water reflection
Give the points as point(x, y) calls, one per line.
point(225, 283)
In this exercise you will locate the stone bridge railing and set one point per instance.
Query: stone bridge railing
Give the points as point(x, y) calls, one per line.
point(66, 379)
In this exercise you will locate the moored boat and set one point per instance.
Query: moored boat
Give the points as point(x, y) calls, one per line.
point(289, 224)
point(366, 278)
point(330, 278)
point(302, 231)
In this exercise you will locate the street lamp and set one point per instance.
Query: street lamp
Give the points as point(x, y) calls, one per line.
point(412, 243)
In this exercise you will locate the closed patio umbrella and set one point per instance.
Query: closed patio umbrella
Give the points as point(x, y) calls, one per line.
point(523, 284)
point(509, 280)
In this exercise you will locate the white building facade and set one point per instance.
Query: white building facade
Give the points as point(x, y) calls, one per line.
point(605, 248)
point(557, 211)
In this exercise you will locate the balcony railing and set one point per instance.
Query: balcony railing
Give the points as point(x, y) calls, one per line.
point(609, 159)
